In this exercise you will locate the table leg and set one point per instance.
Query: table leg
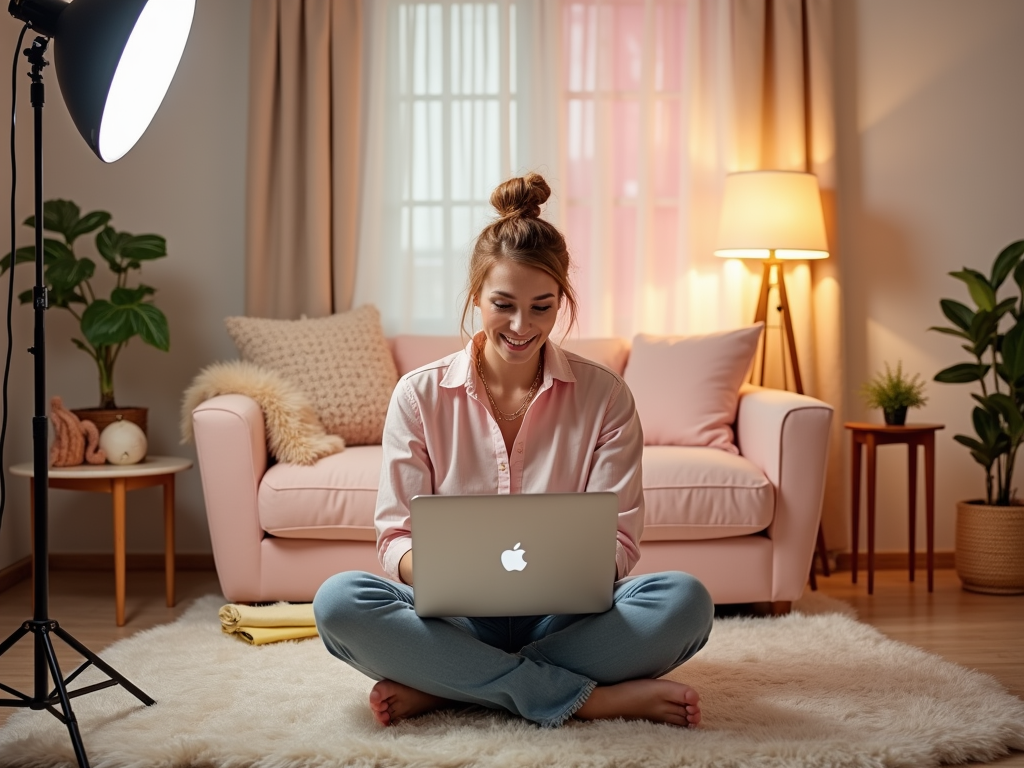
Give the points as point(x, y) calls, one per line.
point(855, 506)
point(871, 450)
point(929, 504)
point(912, 481)
point(169, 538)
point(119, 493)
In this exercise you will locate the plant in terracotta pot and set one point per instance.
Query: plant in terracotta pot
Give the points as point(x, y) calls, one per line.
point(990, 531)
point(106, 324)
point(894, 393)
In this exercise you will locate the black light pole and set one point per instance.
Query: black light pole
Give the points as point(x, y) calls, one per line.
point(92, 71)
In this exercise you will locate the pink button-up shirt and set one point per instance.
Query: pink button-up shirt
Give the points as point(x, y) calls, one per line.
point(581, 433)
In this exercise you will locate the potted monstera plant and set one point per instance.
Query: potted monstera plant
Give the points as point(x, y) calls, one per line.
point(106, 323)
point(990, 531)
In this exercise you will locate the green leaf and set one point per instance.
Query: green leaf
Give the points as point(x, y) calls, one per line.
point(110, 242)
point(1013, 352)
point(1006, 407)
point(125, 296)
point(950, 331)
point(103, 324)
point(25, 297)
point(151, 324)
point(106, 324)
point(68, 274)
point(958, 314)
point(22, 255)
point(144, 247)
point(983, 331)
point(1018, 275)
point(58, 216)
point(962, 373)
point(978, 286)
point(986, 425)
point(1006, 262)
point(1006, 305)
point(88, 223)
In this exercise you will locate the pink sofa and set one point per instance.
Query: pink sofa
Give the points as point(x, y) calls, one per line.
point(745, 525)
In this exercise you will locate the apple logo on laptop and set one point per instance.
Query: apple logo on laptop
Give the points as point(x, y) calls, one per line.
point(512, 559)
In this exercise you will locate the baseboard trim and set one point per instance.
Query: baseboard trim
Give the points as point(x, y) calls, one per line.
point(894, 561)
point(15, 572)
point(139, 561)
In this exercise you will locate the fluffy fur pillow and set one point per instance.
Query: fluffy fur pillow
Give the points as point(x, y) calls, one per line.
point(341, 362)
point(294, 433)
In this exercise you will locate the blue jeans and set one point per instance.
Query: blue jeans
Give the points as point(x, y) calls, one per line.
point(541, 668)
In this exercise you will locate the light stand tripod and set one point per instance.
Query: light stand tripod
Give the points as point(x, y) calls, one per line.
point(41, 626)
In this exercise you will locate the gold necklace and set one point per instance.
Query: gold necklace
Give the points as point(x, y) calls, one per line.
point(498, 413)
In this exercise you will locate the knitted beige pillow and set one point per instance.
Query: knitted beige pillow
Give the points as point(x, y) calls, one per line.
point(341, 362)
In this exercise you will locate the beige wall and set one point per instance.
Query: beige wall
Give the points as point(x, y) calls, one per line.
point(931, 104)
point(931, 161)
point(184, 180)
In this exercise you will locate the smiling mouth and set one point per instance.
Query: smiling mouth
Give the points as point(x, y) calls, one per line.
point(516, 343)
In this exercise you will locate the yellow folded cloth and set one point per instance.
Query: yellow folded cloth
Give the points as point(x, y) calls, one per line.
point(261, 624)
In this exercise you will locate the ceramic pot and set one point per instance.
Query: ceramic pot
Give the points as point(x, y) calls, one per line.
point(103, 417)
point(895, 417)
point(990, 547)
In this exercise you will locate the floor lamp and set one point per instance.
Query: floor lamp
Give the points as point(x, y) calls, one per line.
point(774, 216)
point(114, 62)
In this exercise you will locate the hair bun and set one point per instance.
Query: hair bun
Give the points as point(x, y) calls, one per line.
point(521, 196)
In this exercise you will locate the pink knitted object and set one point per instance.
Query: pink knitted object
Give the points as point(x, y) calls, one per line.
point(74, 440)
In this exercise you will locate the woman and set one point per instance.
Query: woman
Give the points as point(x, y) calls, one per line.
point(513, 413)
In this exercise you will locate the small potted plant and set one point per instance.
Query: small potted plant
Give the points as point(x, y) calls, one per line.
point(106, 324)
point(990, 531)
point(894, 393)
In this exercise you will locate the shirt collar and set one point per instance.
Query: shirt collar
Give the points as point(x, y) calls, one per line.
point(462, 369)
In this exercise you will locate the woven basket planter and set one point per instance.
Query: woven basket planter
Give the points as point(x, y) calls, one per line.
point(990, 548)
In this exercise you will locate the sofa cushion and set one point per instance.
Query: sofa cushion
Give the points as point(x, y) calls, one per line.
point(687, 387)
point(702, 493)
point(690, 493)
point(333, 499)
point(341, 362)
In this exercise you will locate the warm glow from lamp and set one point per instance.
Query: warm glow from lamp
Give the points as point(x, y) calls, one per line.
point(771, 211)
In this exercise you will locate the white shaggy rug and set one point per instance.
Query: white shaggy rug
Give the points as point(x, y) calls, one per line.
point(815, 688)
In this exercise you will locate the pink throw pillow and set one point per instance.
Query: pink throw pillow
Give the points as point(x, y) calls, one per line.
point(687, 387)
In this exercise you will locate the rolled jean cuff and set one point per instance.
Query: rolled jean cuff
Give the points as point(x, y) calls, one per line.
point(554, 722)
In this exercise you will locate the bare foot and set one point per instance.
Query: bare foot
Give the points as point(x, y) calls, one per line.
point(391, 702)
point(661, 701)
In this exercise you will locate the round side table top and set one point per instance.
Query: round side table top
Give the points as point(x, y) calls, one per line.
point(861, 426)
point(151, 465)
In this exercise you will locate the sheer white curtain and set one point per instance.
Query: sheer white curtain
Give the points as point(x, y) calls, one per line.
point(647, 112)
point(446, 122)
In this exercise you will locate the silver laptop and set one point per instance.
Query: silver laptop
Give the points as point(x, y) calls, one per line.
point(513, 554)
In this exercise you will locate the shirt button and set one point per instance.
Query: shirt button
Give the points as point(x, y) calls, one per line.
point(502, 466)
point(519, 448)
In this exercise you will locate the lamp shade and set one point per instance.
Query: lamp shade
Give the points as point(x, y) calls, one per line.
point(114, 61)
point(771, 211)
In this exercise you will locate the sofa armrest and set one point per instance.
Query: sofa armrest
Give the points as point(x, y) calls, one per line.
point(232, 450)
point(786, 436)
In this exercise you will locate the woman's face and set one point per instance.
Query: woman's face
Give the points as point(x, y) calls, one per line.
point(518, 308)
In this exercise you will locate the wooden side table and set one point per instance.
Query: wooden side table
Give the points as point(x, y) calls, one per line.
point(914, 435)
point(117, 480)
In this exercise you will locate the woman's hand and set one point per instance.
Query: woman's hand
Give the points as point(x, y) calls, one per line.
point(405, 568)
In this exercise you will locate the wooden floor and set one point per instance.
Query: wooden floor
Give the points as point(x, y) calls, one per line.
point(979, 631)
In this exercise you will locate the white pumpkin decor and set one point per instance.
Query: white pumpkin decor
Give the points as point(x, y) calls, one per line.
point(123, 442)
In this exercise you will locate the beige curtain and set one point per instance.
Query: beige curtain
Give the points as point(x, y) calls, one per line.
point(303, 157)
point(784, 108)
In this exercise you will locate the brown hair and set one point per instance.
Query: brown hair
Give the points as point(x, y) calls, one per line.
point(519, 234)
